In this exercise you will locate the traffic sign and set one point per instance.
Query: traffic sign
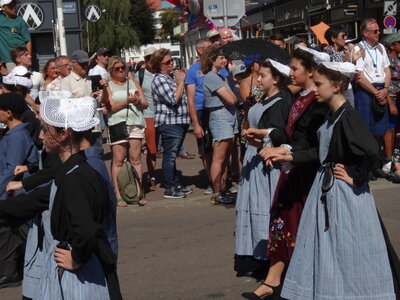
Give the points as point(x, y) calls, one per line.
point(222, 13)
point(93, 13)
point(32, 14)
point(390, 8)
point(389, 22)
point(389, 30)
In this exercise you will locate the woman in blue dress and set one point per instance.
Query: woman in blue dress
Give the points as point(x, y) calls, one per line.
point(340, 249)
point(258, 182)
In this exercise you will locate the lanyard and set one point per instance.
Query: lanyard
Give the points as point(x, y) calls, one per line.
point(376, 55)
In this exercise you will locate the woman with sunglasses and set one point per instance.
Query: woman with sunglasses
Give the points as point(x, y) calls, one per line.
point(125, 101)
point(171, 117)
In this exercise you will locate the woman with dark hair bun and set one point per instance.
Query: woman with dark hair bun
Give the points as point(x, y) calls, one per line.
point(340, 251)
point(258, 182)
point(298, 156)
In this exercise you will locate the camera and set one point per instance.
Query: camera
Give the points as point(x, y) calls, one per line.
point(63, 245)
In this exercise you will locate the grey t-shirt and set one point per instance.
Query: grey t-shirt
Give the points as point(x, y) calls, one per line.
point(212, 82)
point(146, 87)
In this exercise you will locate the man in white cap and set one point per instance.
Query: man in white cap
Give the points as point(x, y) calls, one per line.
point(213, 36)
point(101, 56)
point(76, 82)
point(13, 31)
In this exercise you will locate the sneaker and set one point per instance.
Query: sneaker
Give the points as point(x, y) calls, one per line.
point(226, 198)
point(215, 197)
point(152, 184)
point(184, 190)
point(234, 188)
point(209, 190)
point(174, 194)
point(387, 168)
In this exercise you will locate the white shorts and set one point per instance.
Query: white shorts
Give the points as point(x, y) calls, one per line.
point(135, 132)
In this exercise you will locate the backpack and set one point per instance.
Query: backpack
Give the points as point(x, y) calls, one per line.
point(129, 184)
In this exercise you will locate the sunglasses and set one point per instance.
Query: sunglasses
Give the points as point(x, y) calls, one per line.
point(375, 31)
point(168, 62)
point(119, 68)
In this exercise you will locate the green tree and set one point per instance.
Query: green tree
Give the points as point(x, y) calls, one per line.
point(169, 19)
point(142, 21)
point(113, 30)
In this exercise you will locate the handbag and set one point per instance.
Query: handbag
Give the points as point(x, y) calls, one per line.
point(119, 131)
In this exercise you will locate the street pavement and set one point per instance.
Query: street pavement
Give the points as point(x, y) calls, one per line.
point(184, 248)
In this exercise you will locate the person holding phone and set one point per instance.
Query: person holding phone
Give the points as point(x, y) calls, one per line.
point(125, 101)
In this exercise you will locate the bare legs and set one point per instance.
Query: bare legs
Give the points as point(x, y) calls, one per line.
point(273, 278)
point(218, 169)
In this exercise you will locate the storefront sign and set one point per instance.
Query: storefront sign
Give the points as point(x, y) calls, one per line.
point(69, 7)
point(290, 13)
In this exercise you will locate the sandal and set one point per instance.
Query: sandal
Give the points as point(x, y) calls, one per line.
point(142, 202)
point(276, 291)
point(121, 203)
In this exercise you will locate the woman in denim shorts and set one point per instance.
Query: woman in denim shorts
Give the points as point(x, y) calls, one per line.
point(220, 101)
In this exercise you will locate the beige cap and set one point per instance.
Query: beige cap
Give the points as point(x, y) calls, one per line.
point(212, 33)
point(149, 51)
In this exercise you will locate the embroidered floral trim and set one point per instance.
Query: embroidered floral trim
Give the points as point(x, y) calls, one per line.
point(279, 235)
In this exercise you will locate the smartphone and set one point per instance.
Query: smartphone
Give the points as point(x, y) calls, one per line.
point(96, 85)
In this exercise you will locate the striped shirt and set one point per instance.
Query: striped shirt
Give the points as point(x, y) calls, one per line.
point(167, 111)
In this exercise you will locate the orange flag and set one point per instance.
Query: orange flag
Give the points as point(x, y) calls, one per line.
point(319, 30)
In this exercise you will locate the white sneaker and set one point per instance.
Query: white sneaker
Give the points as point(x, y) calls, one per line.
point(387, 168)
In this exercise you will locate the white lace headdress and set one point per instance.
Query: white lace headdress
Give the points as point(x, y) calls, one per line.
point(17, 77)
point(346, 68)
point(319, 57)
point(74, 113)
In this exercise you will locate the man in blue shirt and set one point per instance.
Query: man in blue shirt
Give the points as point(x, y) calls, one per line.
point(198, 113)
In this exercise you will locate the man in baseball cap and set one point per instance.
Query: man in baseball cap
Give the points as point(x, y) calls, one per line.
point(101, 56)
point(76, 82)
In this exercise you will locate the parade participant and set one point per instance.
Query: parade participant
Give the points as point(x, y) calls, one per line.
point(330, 261)
point(50, 73)
point(198, 113)
point(16, 148)
point(18, 81)
point(220, 101)
point(258, 182)
point(77, 210)
point(171, 117)
point(13, 32)
point(145, 77)
point(299, 155)
point(125, 102)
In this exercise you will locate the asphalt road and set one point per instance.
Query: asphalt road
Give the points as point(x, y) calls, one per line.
point(183, 249)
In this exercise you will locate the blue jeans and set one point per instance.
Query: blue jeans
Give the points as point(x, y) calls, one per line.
point(172, 136)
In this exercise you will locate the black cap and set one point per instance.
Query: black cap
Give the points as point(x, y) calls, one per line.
point(102, 51)
point(13, 102)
